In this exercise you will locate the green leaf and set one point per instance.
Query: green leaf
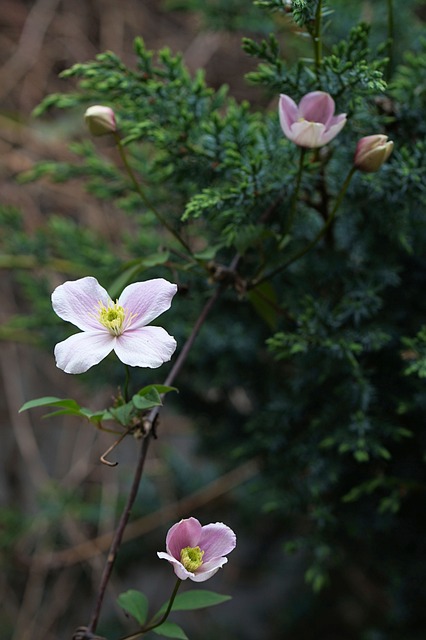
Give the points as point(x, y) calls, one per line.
point(155, 259)
point(95, 416)
point(135, 603)
point(67, 406)
point(51, 401)
point(195, 599)
point(149, 396)
point(161, 388)
point(147, 400)
point(133, 269)
point(142, 403)
point(170, 630)
point(209, 253)
point(123, 413)
point(264, 300)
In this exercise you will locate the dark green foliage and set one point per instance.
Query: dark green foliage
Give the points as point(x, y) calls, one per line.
point(409, 91)
point(304, 11)
point(350, 70)
point(225, 15)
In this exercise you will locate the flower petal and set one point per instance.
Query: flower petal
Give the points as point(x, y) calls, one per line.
point(178, 567)
point(335, 127)
point(77, 301)
point(288, 114)
point(147, 300)
point(216, 540)
point(317, 106)
point(308, 134)
point(185, 533)
point(145, 347)
point(208, 569)
point(83, 350)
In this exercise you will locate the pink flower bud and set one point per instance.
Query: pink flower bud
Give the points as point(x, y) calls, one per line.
point(312, 122)
point(100, 120)
point(371, 152)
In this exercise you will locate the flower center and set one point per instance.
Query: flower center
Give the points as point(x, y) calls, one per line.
point(191, 558)
point(112, 317)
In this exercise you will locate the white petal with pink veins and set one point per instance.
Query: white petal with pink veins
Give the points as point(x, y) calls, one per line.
point(83, 350)
point(147, 300)
point(77, 301)
point(145, 347)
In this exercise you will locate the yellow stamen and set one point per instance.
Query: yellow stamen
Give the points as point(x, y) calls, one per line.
point(191, 558)
point(112, 317)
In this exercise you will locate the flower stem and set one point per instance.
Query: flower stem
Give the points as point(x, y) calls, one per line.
point(116, 542)
point(126, 384)
point(112, 554)
point(143, 197)
point(317, 238)
point(317, 37)
point(293, 206)
point(390, 45)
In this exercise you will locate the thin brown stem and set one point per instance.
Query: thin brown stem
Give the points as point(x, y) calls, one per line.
point(116, 542)
point(143, 197)
point(299, 254)
point(119, 534)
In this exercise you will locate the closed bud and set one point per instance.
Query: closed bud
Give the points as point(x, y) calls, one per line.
point(371, 152)
point(100, 120)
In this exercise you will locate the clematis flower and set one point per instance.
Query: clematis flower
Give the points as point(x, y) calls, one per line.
point(197, 552)
point(100, 120)
point(371, 152)
point(107, 325)
point(312, 123)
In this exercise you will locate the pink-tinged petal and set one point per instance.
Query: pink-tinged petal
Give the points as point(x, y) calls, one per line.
point(147, 300)
point(371, 152)
point(77, 301)
point(337, 125)
point(185, 533)
point(216, 540)
point(317, 106)
point(83, 350)
point(178, 567)
point(339, 120)
point(100, 120)
point(308, 134)
point(145, 347)
point(208, 569)
point(288, 113)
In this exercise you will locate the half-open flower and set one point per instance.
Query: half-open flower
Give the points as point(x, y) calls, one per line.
point(100, 120)
point(197, 552)
point(371, 152)
point(107, 325)
point(312, 123)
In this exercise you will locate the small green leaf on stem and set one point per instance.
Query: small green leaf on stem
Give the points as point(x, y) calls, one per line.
point(170, 630)
point(135, 603)
point(264, 300)
point(195, 599)
point(148, 401)
point(50, 401)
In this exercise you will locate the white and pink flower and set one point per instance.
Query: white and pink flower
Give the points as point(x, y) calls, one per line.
point(113, 326)
point(198, 552)
point(100, 120)
point(312, 123)
point(371, 152)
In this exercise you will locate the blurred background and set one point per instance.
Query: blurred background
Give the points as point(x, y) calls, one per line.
point(55, 494)
point(58, 502)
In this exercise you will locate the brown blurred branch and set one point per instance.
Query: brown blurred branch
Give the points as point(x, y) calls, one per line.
point(29, 46)
point(215, 489)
